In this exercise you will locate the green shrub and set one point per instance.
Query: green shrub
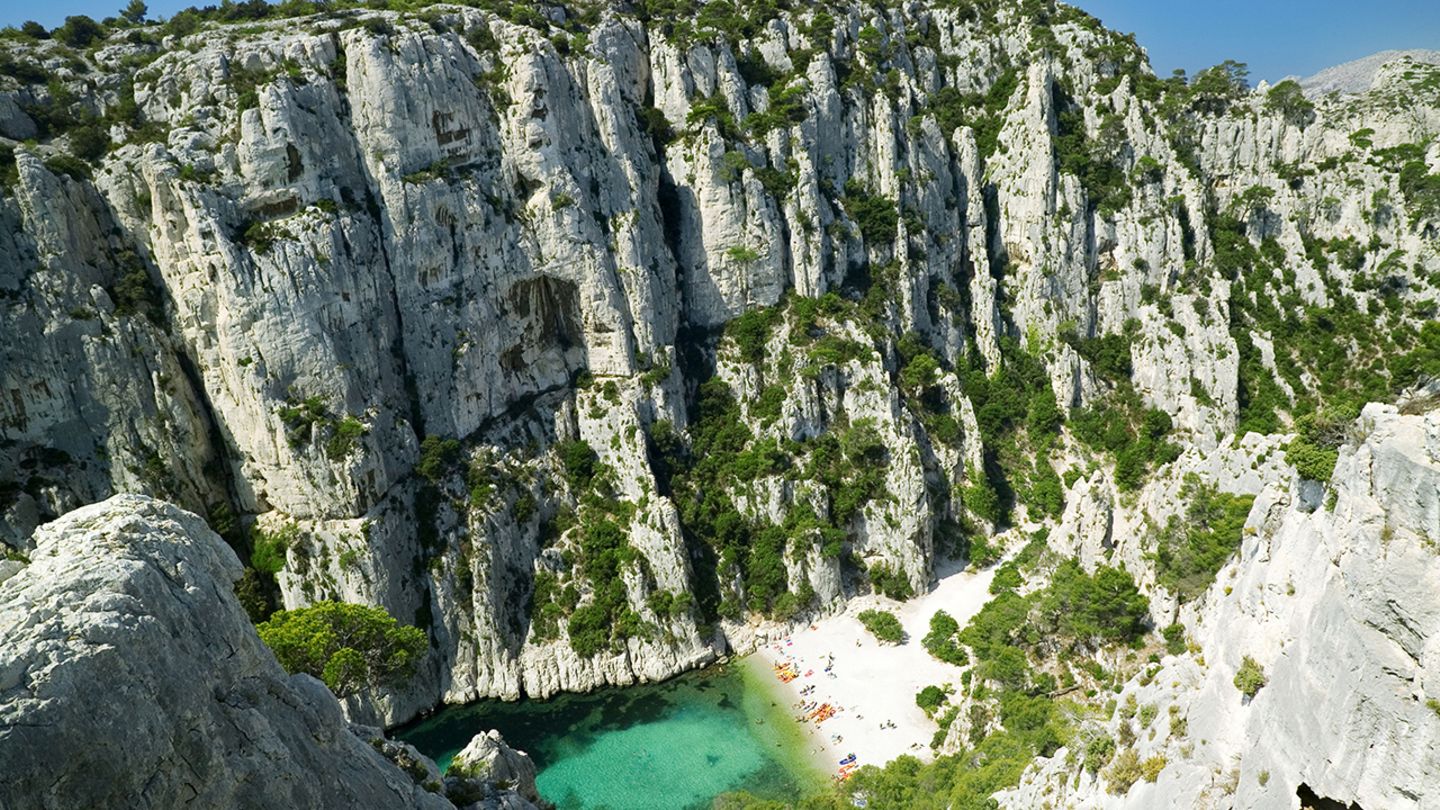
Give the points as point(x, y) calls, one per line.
point(437, 455)
point(257, 594)
point(134, 293)
point(89, 141)
point(9, 171)
point(348, 646)
point(891, 582)
point(704, 109)
point(1174, 636)
point(929, 699)
point(345, 437)
point(751, 330)
point(1318, 436)
point(258, 236)
point(1192, 551)
point(68, 165)
point(1288, 100)
point(579, 463)
point(269, 549)
point(1124, 772)
point(878, 218)
point(79, 31)
point(980, 498)
point(883, 625)
point(300, 416)
point(1250, 677)
point(941, 641)
point(1098, 752)
point(654, 122)
point(1007, 578)
point(743, 254)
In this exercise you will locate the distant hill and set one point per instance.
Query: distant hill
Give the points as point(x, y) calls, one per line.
point(1357, 76)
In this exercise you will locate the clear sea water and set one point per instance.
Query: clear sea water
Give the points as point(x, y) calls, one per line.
point(666, 746)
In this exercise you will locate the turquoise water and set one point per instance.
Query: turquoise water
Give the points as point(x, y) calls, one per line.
point(657, 747)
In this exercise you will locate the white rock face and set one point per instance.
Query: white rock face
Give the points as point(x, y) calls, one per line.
point(130, 677)
point(352, 233)
point(1341, 609)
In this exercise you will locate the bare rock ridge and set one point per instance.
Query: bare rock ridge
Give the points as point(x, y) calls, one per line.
point(130, 677)
point(1359, 76)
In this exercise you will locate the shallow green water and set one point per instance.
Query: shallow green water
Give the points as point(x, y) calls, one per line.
point(673, 745)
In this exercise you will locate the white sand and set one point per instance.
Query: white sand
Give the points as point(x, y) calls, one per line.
point(876, 682)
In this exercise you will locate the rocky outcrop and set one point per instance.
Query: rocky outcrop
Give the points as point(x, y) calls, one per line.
point(487, 758)
point(130, 677)
point(1340, 608)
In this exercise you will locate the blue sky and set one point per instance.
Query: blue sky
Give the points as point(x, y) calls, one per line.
point(1275, 37)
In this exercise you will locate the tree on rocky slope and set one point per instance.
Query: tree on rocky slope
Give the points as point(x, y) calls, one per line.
point(347, 646)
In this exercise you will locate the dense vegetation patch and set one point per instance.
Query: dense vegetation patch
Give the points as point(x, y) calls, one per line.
point(984, 112)
point(1332, 359)
point(1095, 159)
point(1318, 436)
point(592, 605)
point(1019, 422)
point(837, 473)
point(1192, 550)
point(257, 590)
point(1121, 425)
point(877, 217)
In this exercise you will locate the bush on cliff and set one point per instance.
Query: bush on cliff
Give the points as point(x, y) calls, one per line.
point(1193, 551)
point(1250, 677)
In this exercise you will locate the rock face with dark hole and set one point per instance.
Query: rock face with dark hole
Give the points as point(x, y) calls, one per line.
point(546, 313)
point(1309, 801)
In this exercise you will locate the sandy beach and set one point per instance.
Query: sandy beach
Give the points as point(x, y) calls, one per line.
point(873, 685)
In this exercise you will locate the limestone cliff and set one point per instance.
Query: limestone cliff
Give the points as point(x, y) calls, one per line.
point(582, 337)
point(130, 677)
point(1340, 608)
